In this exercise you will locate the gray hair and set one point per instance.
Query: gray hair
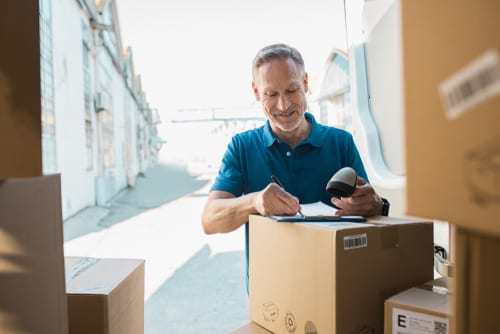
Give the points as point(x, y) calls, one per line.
point(274, 51)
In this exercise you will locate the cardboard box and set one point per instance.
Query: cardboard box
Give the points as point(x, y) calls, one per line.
point(333, 277)
point(20, 97)
point(476, 300)
point(250, 328)
point(424, 308)
point(451, 61)
point(105, 296)
point(32, 290)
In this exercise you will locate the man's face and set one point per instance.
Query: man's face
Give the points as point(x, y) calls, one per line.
point(280, 87)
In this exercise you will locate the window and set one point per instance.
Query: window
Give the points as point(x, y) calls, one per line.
point(106, 115)
point(87, 98)
point(49, 154)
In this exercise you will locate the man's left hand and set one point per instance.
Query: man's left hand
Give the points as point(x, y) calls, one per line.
point(363, 202)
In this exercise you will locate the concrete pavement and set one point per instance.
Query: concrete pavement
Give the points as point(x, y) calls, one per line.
point(194, 283)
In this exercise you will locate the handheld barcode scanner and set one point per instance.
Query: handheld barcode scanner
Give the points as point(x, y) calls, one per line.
point(343, 183)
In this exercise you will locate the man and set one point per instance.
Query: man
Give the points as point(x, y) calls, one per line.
point(291, 145)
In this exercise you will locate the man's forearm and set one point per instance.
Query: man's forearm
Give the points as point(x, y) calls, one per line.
point(224, 215)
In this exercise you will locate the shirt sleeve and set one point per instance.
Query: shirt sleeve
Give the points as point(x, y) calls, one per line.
point(230, 175)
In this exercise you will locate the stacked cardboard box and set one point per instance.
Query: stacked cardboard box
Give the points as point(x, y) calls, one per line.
point(32, 274)
point(105, 296)
point(452, 97)
point(477, 299)
point(333, 277)
point(424, 308)
point(20, 98)
point(32, 288)
point(250, 328)
point(451, 60)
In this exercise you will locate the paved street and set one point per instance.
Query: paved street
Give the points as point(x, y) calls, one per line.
point(194, 283)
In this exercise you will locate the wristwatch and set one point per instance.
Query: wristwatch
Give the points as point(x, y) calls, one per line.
point(385, 207)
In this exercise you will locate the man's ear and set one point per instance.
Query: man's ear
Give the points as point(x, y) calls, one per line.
point(256, 91)
point(306, 83)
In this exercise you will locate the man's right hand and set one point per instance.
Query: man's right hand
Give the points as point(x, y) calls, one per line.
point(224, 212)
point(274, 200)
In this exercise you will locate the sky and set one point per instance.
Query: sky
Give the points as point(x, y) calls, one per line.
point(198, 53)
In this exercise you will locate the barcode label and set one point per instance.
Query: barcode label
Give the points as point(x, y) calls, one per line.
point(440, 327)
point(477, 82)
point(408, 322)
point(355, 241)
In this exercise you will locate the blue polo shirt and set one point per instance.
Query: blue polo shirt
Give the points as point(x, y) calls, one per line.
point(254, 155)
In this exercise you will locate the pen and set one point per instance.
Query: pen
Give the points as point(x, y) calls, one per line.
point(277, 181)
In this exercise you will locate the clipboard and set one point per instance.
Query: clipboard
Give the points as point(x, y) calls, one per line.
point(318, 212)
point(318, 219)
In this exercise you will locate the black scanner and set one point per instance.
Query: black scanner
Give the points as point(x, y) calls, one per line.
point(343, 182)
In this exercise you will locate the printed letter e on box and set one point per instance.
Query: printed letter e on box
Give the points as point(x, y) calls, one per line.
point(401, 320)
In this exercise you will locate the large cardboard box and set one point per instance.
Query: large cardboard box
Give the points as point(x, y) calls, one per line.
point(451, 61)
point(32, 289)
point(424, 308)
point(250, 328)
point(105, 296)
point(333, 277)
point(20, 97)
point(477, 303)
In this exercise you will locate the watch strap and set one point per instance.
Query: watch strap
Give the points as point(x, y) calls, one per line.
point(385, 207)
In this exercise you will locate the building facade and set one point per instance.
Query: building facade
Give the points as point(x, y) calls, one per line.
point(98, 129)
point(333, 98)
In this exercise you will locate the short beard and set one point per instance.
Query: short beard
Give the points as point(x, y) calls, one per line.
point(290, 128)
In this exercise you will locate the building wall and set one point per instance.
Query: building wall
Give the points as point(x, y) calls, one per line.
point(118, 153)
point(119, 102)
point(334, 95)
point(77, 183)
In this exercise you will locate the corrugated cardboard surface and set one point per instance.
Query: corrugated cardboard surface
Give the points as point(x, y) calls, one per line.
point(20, 98)
point(452, 163)
point(304, 280)
point(105, 296)
point(250, 328)
point(476, 302)
point(432, 300)
point(32, 288)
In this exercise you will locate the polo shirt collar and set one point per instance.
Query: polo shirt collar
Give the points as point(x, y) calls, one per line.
point(315, 136)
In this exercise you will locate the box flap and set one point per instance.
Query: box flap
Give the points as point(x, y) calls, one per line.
point(97, 276)
point(432, 296)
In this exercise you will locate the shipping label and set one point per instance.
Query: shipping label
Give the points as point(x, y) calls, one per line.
point(473, 84)
point(355, 241)
point(408, 322)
